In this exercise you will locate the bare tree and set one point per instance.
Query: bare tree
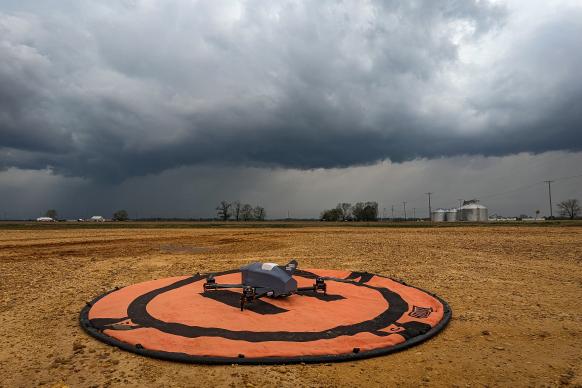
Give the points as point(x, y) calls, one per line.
point(52, 213)
point(345, 209)
point(247, 212)
point(223, 210)
point(365, 211)
point(236, 209)
point(259, 213)
point(331, 215)
point(569, 208)
point(120, 215)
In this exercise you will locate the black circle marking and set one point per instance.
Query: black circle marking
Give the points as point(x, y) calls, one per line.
point(414, 332)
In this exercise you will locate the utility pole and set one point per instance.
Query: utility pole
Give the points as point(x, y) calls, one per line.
point(383, 213)
point(404, 210)
point(550, 196)
point(392, 213)
point(429, 208)
point(414, 213)
point(460, 202)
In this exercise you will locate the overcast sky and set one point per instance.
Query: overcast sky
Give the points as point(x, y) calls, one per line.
point(167, 107)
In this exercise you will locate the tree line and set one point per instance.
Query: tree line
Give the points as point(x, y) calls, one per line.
point(119, 215)
point(240, 212)
point(345, 211)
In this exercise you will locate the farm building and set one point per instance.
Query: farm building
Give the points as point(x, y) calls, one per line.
point(438, 215)
point(97, 219)
point(471, 211)
point(45, 219)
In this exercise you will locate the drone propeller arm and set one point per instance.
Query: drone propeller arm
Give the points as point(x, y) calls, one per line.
point(305, 289)
point(216, 286)
point(319, 285)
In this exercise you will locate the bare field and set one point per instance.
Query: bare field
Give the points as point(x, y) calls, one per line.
point(516, 295)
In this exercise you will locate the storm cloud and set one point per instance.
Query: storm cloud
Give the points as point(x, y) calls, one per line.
point(110, 90)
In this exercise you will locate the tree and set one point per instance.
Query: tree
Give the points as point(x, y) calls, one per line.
point(236, 209)
point(120, 215)
point(246, 212)
point(365, 211)
point(331, 215)
point(569, 208)
point(259, 213)
point(52, 213)
point(345, 209)
point(358, 211)
point(537, 214)
point(223, 210)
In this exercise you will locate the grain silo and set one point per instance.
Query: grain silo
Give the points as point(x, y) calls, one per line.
point(473, 211)
point(438, 215)
point(451, 215)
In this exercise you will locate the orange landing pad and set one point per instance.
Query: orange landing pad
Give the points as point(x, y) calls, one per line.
point(362, 315)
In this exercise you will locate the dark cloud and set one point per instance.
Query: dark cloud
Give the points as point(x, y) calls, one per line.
point(112, 90)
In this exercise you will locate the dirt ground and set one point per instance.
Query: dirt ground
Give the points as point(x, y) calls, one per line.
point(516, 295)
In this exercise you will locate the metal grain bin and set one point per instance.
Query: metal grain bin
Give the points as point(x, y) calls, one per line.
point(483, 214)
point(473, 212)
point(451, 215)
point(438, 215)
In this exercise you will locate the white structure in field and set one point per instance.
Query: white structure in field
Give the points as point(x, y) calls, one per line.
point(451, 215)
point(438, 215)
point(471, 211)
point(97, 219)
point(45, 219)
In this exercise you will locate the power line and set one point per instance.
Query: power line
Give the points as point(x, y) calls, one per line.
point(512, 190)
point(519, 188)
point(568, 177)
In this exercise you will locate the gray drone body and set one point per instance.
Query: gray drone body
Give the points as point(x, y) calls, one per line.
point(260, 280)
point(270, 277)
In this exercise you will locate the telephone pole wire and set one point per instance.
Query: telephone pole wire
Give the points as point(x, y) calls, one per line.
point(550, 196)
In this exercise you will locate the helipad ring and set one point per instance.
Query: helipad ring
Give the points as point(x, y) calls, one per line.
point(363, 315)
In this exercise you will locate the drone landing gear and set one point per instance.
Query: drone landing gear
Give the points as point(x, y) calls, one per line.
point(318, 286)
point(248, 295)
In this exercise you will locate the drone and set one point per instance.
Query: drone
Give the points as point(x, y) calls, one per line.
point(267, 280)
